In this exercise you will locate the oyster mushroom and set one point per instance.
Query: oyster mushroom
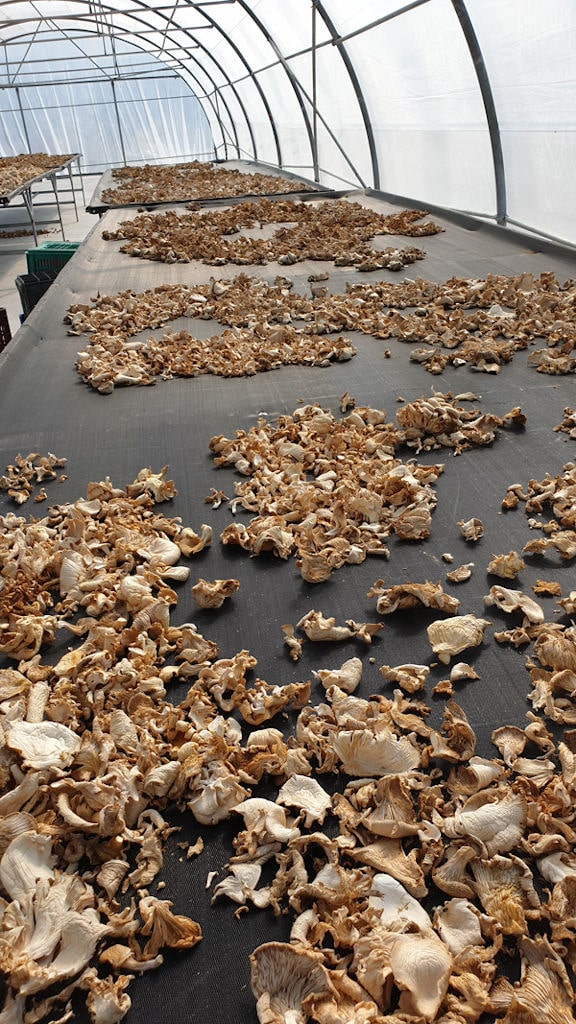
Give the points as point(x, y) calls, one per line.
point(457, 921)
point(347, 677)
point(513, 601)
point(166, 928)
point(507, 566)
point(544, 988)
point(495, 818)
point(471, 529)
point(27, 860)
point(107, 1001)
point(505, 887)
point(43, 744)
point(452, 635)
point(421, 965)
point(363, 754)
point(319, 627)
point(410, 678)
point(461, 574)
point(282, 977)
point(213, 594)
point(293, 643)
point(267, 820)
point(307, 796)
point(411, 595)
point(240, 886)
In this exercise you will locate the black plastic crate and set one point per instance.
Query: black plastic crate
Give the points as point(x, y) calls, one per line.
point(31, 287)
point(5, 332)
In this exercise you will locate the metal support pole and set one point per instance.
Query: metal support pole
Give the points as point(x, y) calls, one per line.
point(73, 190)
point(123, 151)
point(314, 98)
point(489, 107)
point(21, 109)
point(81, 178)
point(52, 178)
point(27, 197)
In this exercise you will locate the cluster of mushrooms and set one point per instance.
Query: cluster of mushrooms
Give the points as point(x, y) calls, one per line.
point(15, 171)
point(170, 183)
point(414, 870)
point(333, 491)
point(568, 424)
point(25, 477)
point(417, 874)
point(462, 322)
point(337, 230)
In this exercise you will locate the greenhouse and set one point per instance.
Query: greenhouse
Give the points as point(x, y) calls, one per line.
point(288, 512)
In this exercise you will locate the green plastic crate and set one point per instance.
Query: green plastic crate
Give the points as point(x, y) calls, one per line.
point(50, 256)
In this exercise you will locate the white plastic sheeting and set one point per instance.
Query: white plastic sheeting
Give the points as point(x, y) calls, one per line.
point(151, 116)
point(464, 104)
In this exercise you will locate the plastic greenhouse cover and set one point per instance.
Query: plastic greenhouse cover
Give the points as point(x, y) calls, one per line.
point(466, 104)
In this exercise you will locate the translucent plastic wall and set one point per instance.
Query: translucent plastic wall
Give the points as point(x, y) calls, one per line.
point(531, 62)
point(150, 117)
point(425, 107)
point(464, 104)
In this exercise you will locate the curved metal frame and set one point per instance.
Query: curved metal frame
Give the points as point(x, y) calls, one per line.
point(259, 89)
point(489, 107)
point(185, 69)
point(191, 69)
point(290, 74)
point(301, 95)
point(357, 89)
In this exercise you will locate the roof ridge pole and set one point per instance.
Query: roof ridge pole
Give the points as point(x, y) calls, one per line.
point(489, 107)
point(314, 98)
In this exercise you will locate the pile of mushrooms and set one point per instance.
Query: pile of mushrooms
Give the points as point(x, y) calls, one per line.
point(335, 230)
point(93, 752)
point(330, 509)
point(26, 476)
point(15, 171)
point(541, 310)
point(438, 865)
point(195, 179)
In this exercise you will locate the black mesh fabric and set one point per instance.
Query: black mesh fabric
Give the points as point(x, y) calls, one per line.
point(45, 406)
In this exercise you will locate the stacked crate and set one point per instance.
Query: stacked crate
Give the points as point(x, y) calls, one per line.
point(44, 264)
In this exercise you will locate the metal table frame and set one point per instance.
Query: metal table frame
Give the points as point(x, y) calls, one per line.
point(26, 191)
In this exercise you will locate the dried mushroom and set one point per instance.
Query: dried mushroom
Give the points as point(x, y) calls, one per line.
point(411, 595)
point(471, 529)
point(515, 601)
point(305, 497)
point(409, 678)
point(346, 678)
point(455, 634)
point(338, 230)
point(507, 566)
point(461, 574)
point(213, 594)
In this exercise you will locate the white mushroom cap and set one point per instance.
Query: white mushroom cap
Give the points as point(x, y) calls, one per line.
point(43, 744)
point(395, 903)
point(307, 795)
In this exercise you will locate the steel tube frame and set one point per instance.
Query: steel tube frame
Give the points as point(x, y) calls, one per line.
point(489, 107)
